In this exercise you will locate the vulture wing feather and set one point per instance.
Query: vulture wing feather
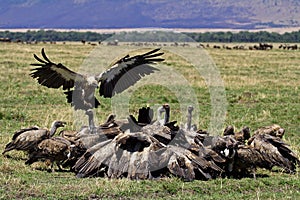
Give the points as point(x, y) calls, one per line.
point(126, 72)
point(54, 75)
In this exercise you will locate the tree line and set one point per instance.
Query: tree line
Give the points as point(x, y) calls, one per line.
point(51, 35)
point(159, 36)
point(246, 36)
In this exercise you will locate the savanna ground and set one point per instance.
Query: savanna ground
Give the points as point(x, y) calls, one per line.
point(262, 88)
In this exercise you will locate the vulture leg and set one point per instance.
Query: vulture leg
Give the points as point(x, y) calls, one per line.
point(49, 164)
point(58, 163)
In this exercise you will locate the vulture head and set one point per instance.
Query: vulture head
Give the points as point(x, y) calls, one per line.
point(58, 124)
point(190, 109)
point(226, 146)
point(55, 125)
point(229, 130)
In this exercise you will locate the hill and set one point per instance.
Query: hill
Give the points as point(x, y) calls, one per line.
point(144, 13)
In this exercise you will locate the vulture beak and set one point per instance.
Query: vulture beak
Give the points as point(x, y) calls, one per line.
point(63, 124)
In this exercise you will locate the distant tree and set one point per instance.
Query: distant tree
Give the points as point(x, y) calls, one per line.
point(157, 36)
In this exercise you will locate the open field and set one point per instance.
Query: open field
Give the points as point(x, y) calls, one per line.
point(262, 88)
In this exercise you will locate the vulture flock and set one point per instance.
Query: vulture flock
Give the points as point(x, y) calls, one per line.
point(143, 147)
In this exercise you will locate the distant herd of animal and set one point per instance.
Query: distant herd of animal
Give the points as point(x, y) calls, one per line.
point(259, 46)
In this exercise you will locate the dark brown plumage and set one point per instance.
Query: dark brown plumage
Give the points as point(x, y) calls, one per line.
point(276, 151)
point(55, 150)
point(261, 151)
point(27, 139)
point(274, 130)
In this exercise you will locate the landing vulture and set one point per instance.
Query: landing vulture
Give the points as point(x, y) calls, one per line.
point(80, 89)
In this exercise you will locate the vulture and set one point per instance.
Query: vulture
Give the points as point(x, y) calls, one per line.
point(27, 139)
point(262, 150)
point(147, 153)
point(54, 150)
point(80, 89)
point(165, 108)
point(278, 153)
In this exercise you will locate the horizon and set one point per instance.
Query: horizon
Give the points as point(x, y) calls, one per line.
point(280, 30)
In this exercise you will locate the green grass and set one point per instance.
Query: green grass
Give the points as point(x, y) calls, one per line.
point(262, 88)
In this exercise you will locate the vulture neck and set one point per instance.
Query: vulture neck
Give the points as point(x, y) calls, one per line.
point(160, 111)
point(90, 115)
point(189, 119)
point(167, 115)
point(53, 129)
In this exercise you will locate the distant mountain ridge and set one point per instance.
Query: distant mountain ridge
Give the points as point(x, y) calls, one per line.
point(146, 13)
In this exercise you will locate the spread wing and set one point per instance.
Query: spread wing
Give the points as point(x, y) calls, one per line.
point(53, 75)
point(127, 71)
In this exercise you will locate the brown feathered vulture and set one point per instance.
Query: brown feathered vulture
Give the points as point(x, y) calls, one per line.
point(274, 130)
point(80, 89)
point(27, 139)
point(261, 151)
point(54, 150)
point(278, 153)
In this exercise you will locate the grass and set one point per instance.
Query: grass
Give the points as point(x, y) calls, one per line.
point(261, 87)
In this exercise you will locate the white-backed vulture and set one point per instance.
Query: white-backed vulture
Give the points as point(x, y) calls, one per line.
point(276, 150)
point(27, 139)
point(55, 149)
point(81, 88)
point(262, 151)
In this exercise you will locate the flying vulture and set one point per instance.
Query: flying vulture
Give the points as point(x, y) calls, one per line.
point(80, 89)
